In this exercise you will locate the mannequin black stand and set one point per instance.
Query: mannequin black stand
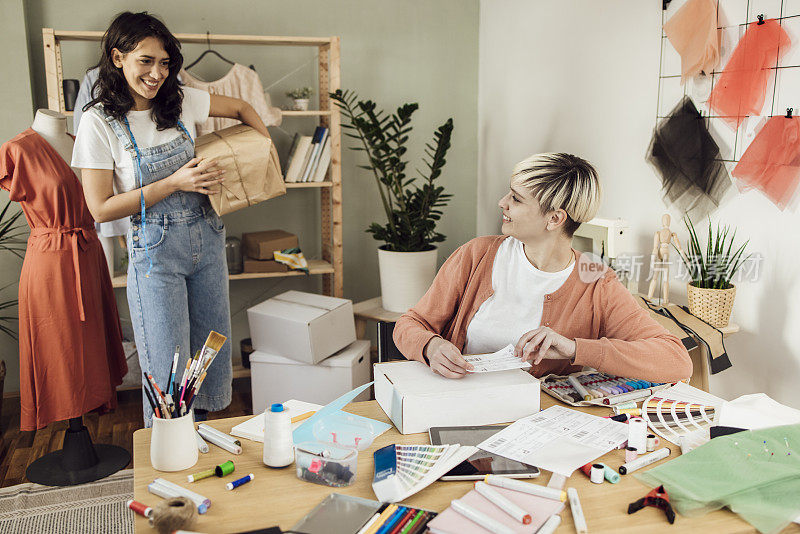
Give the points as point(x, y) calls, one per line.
point(79, 460)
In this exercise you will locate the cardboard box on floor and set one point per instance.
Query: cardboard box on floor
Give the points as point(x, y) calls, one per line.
point(415, 398)
point(302, 326)
point(262, 245)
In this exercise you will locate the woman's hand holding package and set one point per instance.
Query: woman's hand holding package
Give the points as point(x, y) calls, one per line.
point(445, 359)
point(544, 343)
point(198, 176)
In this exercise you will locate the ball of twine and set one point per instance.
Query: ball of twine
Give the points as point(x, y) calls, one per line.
point(178, 513)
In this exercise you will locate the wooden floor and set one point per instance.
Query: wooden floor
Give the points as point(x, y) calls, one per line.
point(18, 449)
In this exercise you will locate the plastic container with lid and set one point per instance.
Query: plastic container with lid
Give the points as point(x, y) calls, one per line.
point(332, 459)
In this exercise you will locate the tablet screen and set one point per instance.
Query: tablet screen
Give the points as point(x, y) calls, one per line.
point(481, 463)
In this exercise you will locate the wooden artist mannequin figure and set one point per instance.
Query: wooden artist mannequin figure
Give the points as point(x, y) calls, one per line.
point(659, 260)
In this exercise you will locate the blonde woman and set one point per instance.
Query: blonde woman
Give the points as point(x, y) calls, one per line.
point(529, 287)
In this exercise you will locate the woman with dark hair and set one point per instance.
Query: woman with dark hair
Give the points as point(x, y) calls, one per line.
point(135, 149)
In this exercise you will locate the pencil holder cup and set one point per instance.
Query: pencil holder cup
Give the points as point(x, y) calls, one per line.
point(173, 445)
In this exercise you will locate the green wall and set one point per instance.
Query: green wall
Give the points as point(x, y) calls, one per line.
point(391, 52)
point(16, 114)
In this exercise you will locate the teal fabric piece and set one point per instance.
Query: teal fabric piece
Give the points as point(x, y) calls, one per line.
point(755, 473)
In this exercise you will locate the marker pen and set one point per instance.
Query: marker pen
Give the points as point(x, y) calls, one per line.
point(633, 395)
point(550, 525)
point(236, 483)
point(492, 525)
point(526, 487)
point(202, 446)
point(644, 460)
point(504, 504)
point(577, 512)
point(579, 388)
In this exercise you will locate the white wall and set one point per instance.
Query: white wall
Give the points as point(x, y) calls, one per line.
point(582, 77)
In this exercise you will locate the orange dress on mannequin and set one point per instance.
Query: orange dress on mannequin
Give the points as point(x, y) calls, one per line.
point(70, 343)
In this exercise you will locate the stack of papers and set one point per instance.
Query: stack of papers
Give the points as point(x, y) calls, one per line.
point(557, 439)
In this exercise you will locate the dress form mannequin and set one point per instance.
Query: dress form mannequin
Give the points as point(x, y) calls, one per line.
point(659, 260)
point(52, 126)
point(79, 460)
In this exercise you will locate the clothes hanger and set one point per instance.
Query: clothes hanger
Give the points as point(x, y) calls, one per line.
point(206, 52)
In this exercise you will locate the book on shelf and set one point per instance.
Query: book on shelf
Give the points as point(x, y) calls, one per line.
point(323, 163)
point(292, 149)
point(316, 145)
point(315, 164)
point(298, 159)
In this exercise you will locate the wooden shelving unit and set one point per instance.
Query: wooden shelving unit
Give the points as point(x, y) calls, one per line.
point(331, 266)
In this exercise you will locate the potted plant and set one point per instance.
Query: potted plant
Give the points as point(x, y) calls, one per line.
point(300, 98)
point(407, 259)
point(11, 233)
point(711, 293)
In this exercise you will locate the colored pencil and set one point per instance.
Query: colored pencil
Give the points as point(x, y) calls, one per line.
point(410, 513)
point(413, 521)
point(392, 521)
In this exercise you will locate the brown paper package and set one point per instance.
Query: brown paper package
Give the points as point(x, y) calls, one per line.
point(262, 245)
point(252, 170)
point(264, 266)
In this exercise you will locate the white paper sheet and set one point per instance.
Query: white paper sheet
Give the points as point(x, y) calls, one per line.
point(253, 429)
point(502, 360)
point(557, 439)
point(756, 411)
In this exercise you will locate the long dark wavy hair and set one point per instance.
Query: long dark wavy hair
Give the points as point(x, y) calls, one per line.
point(111, 89)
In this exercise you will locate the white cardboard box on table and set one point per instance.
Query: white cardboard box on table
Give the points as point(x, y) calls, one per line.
point(415, 398)
point(302, 326)
point(275, 379)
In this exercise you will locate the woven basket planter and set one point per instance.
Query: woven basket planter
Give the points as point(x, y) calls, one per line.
point(714, 306)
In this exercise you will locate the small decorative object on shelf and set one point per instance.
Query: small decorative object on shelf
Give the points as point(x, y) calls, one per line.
point(233, 254)
point(711, 293)
point(300, 98)
point(407, 260)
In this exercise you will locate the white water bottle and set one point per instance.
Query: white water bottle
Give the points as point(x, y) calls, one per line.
point(278, 444)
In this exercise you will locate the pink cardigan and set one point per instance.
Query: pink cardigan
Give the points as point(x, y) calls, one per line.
point(613, 333)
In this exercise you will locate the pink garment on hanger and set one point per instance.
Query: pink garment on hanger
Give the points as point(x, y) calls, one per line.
point(741, 88)
point(694, 34)
point(239, 82)
point(771, 163)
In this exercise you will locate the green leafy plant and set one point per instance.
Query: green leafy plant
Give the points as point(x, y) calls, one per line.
point(11, 239)
point(412, 211)
point(715, 268)
point(300, 93)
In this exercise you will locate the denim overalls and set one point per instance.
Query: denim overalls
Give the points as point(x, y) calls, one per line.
point(185, 295)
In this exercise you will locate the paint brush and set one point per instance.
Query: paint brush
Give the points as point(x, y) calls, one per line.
point(213, 344)
point(174, 368)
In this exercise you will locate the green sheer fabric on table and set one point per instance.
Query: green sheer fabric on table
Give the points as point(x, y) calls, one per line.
point(755, 473)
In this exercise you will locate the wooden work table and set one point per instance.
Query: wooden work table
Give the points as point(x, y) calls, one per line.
point(278, 497)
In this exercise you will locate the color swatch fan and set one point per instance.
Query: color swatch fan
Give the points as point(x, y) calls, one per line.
point(679, 411)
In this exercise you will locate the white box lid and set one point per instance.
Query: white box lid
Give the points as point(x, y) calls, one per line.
point(299, 306)
point(343, 358)
point(415, 378)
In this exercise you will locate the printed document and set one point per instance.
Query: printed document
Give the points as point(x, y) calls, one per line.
point(557, 439)
point(501, 360)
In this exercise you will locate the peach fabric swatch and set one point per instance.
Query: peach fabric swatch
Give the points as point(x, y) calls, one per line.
point(694, 34)
point(742, 87)
point(771, 163)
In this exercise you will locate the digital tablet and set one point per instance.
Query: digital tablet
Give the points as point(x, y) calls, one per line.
point(481, 463)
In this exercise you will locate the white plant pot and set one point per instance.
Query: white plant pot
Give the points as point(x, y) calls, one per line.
point(405, 277)
point(173, 444)
point(300, 104)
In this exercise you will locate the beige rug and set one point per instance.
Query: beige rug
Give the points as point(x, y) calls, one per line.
point(87, 508)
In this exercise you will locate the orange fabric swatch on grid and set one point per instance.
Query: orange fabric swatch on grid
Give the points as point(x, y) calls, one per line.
point(694, 34)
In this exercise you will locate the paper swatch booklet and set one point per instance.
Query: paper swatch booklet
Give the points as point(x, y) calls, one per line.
point(403, 470)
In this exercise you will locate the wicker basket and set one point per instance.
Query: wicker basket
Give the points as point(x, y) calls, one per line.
point(711, 305)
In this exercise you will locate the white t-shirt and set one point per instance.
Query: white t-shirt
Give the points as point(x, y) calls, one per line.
point(517, 303)
point(97, 147)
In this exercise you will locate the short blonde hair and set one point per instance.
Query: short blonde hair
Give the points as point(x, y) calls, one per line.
point(561, 181)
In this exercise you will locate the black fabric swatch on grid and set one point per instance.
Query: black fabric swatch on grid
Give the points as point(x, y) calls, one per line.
point(683, 153)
